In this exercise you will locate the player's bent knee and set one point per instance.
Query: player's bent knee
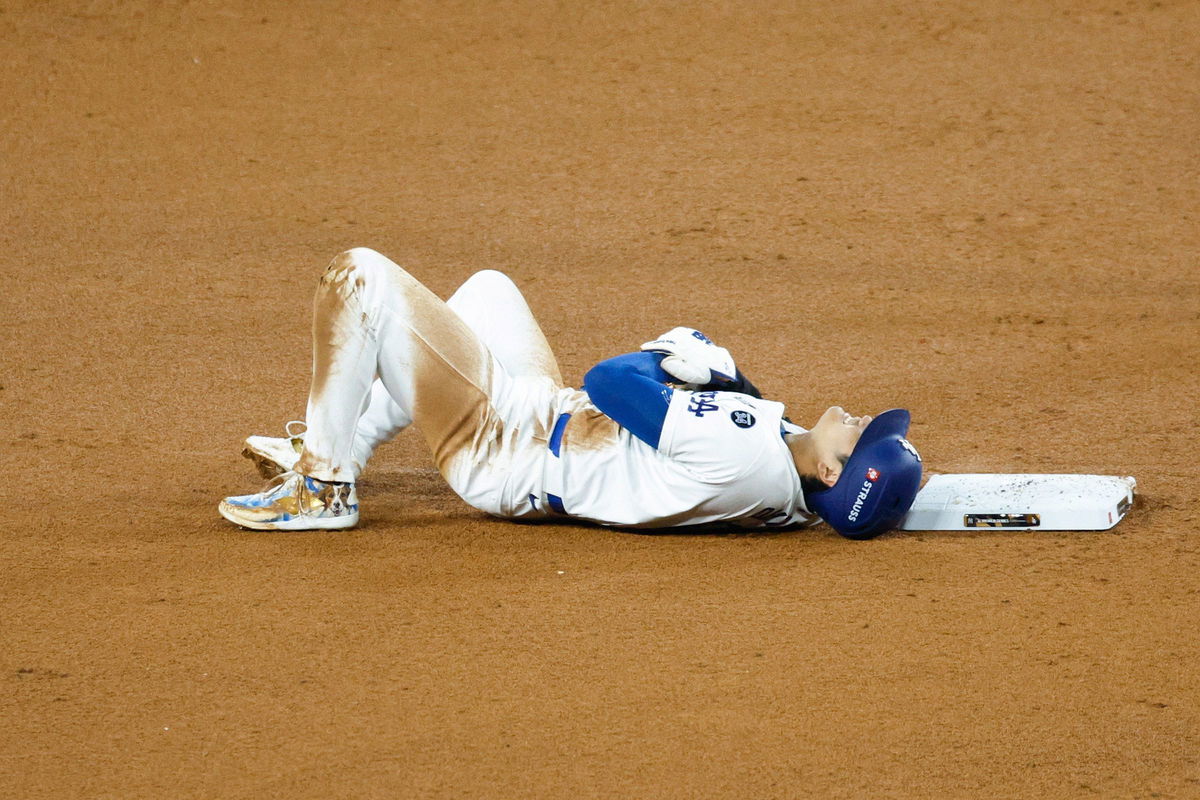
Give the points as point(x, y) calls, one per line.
point(491, 275)
point(366, 264)
point(491, 281)
point(364, 259)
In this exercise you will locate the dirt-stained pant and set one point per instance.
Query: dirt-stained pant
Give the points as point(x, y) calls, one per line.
point(474, 373)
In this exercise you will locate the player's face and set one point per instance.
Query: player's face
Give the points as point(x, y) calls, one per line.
point(836, 433)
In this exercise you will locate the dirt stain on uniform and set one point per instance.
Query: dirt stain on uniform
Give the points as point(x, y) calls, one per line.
point(331, 327)
point(452, 374)
point(590, 429)
point(450, 370)
point(543, 358)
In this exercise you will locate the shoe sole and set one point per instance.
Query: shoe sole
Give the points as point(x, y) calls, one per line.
point(295, 524)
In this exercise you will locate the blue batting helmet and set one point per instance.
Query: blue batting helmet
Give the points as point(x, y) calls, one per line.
point(878, 484)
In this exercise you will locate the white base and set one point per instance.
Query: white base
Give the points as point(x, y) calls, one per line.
point(1020, 502)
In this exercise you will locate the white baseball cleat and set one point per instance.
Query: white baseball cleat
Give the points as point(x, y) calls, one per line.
point(294, 502)
point(275, 455)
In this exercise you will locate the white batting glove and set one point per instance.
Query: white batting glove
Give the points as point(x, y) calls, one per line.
point(692, 357)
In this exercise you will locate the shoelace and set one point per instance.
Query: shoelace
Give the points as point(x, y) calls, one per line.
point(274, 484)
point(293, 435)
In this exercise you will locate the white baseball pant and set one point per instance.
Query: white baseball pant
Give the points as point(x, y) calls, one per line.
point(474, 373)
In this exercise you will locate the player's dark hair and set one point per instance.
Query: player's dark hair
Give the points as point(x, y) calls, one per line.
point(808, 485)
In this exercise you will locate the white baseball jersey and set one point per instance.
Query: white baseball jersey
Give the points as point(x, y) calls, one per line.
point(721, 458)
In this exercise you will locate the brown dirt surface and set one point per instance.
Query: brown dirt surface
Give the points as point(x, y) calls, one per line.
point(983, 211)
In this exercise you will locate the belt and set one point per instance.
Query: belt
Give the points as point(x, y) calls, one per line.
point(553, 485)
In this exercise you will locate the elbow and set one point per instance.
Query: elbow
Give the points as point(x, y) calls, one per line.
point(601, 381)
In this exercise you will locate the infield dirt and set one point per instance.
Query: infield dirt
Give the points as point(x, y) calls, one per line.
point(984, 212)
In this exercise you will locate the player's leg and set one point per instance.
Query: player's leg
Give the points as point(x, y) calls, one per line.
point(370, 316)
point(380, 423)
point(494, 308)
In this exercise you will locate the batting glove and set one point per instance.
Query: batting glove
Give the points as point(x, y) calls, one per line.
point(692, 357)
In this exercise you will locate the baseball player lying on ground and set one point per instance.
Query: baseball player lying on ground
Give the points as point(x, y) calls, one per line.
point(669, 436)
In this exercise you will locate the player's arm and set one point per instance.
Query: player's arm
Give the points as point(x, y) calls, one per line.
point(632, 390)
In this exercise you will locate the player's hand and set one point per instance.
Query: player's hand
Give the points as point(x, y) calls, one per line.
point(692, 357)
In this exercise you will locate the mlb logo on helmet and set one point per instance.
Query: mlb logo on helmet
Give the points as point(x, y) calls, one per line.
point(858, 508)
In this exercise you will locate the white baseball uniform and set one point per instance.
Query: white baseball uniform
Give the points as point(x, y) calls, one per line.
point(478, 378)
